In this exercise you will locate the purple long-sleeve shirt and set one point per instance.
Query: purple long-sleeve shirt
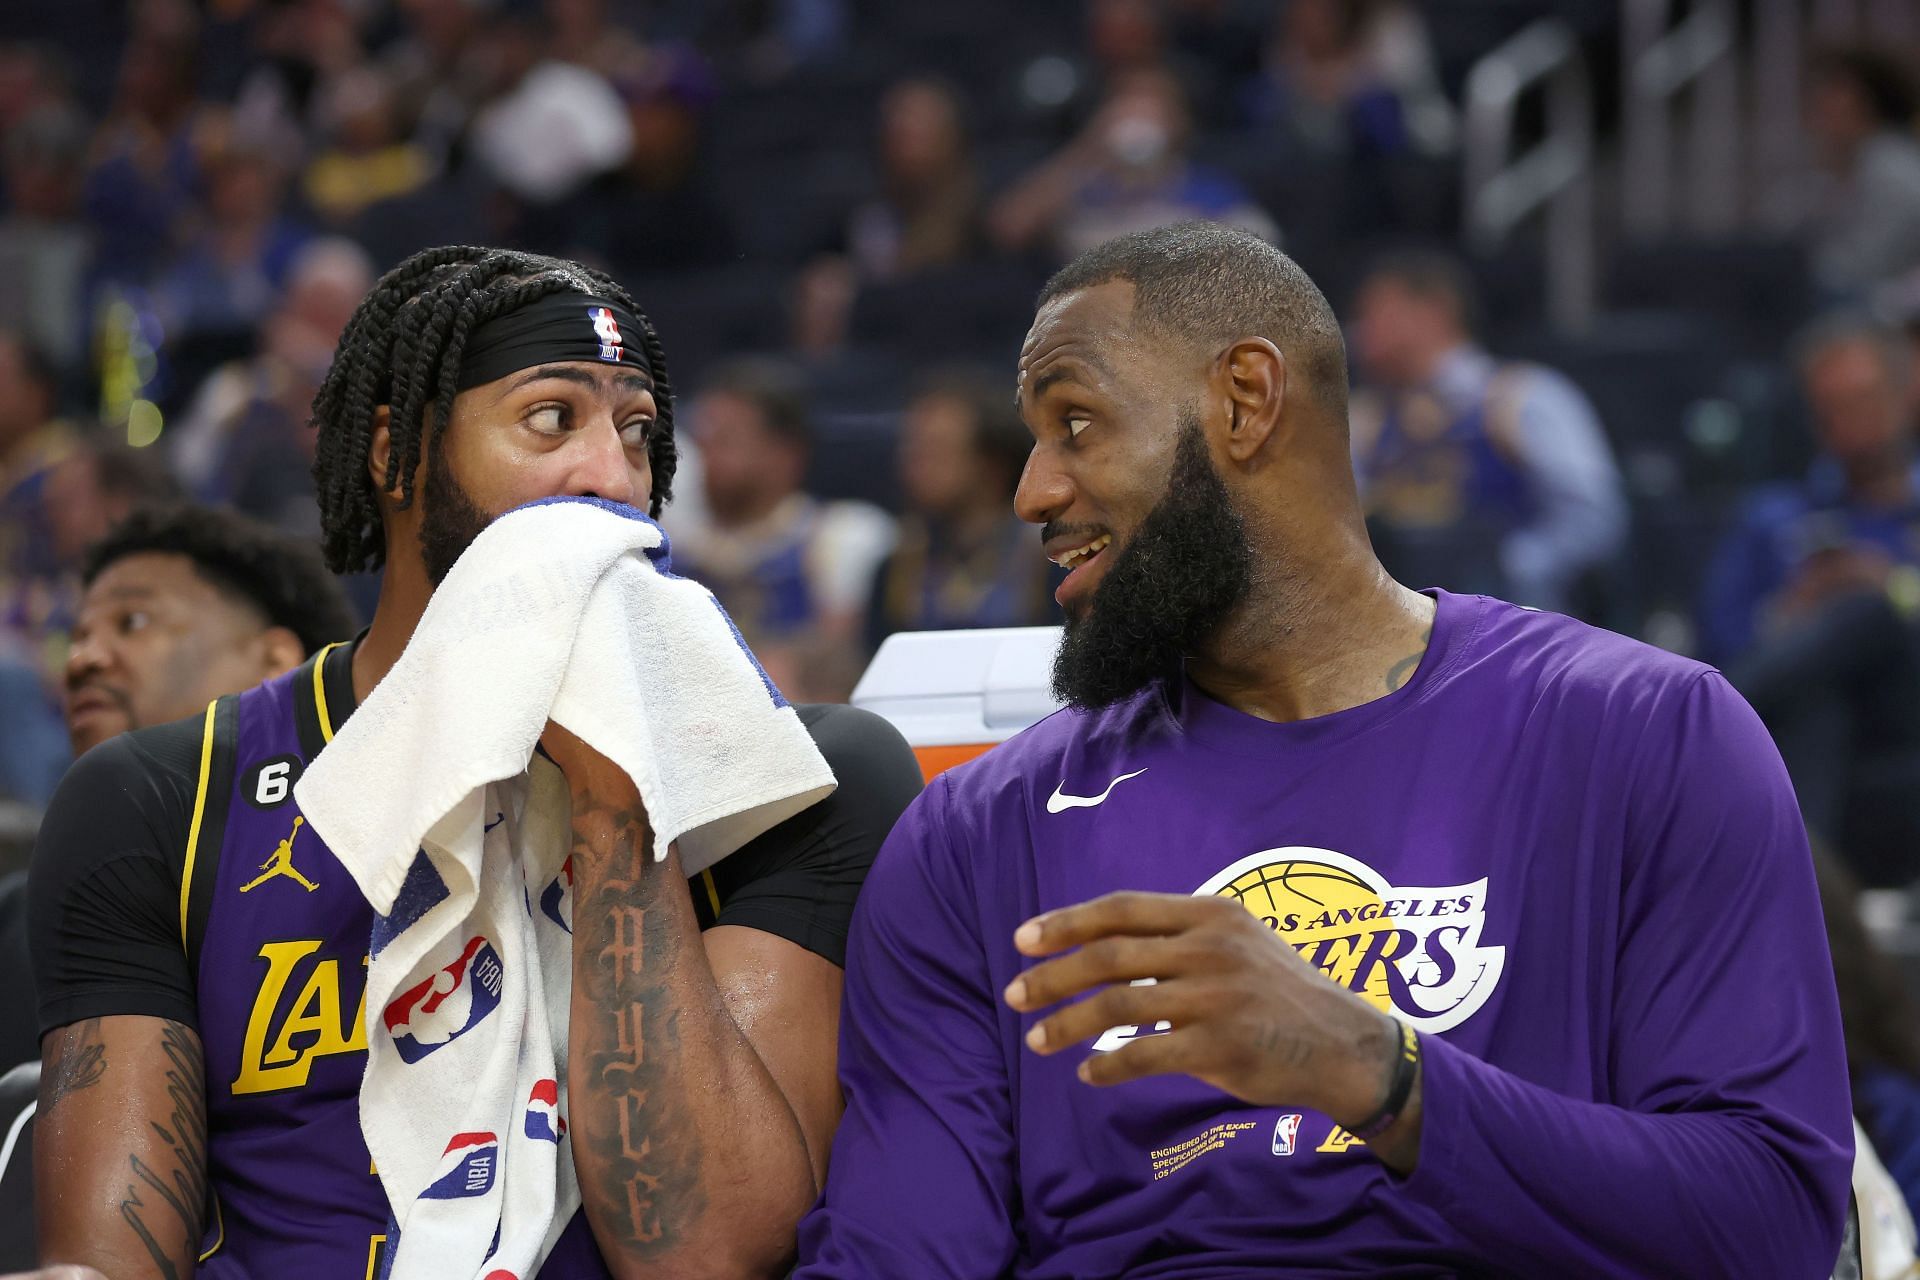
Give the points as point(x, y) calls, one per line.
point(1573, 862)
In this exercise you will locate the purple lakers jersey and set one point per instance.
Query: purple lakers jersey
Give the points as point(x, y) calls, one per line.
point(278, 934)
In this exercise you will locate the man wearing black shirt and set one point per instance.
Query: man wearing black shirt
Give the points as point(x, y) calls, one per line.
point(190, 1114)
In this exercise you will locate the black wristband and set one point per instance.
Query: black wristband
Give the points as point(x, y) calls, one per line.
point(1406, 1067)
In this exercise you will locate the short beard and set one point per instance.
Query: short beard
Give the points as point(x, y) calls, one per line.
point(450, 520)
point(1183, 571)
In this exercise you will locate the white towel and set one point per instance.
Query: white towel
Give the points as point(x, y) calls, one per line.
point(564, 609)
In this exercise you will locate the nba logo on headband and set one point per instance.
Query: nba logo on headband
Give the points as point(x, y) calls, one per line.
point(609, 330)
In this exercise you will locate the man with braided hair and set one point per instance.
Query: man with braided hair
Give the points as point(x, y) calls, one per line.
point(222, 1010)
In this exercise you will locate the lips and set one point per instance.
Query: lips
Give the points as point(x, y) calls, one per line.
point(92, 701)
point(1083, 561)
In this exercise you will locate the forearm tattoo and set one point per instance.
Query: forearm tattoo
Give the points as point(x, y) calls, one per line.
point(79, 1060)
point(180, 1182)
point(647, 1187)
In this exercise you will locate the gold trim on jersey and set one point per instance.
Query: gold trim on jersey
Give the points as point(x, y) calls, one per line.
point(713, 891)
point(220, 1238)
point(320, 690)
point(199, 812)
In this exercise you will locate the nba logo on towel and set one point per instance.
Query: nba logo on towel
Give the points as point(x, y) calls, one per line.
point(466, 1169)
point(608, 330)
point(1285, 1130)
point(543, 1112)
point(449, 1004)
point(556, 900)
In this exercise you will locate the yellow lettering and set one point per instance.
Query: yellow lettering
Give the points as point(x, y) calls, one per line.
point(315, 1010)
point(1339, 1140)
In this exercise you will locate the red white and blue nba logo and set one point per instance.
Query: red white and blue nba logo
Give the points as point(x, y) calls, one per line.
point(608, 329)
point(1285, 1130)
point(556, 900)
point(466, 1169)
point(544, 1120)
point(449, 1004)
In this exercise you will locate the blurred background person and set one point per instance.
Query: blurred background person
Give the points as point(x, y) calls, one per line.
point(789, 568)
point(1131, 168)
point(1861, 113)
point(963, 559)
point(1477, 474)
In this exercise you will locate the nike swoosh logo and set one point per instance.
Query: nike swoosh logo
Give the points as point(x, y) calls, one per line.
point(1060, 801)
point(498, 818)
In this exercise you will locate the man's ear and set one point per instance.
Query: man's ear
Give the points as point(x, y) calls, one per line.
point(1252, 374)
point(280, 651)
point(380, 450)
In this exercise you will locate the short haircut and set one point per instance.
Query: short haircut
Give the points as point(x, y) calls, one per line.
point(279, 576)
point(1433, 274)
point(998, 433)
point(1211, 285)
point(771, 385)
point(1854, 328)
point(1883, 80)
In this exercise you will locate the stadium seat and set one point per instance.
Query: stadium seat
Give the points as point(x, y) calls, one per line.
point(19, 1091)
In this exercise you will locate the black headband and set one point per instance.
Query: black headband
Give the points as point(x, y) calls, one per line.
point(549, 330)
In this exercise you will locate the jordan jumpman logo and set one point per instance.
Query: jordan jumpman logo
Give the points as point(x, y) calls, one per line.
point(280, 863)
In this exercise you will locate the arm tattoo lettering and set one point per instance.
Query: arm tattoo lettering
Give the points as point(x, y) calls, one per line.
point(640, 1138)
point(1402, 671)
point(180, 1183)
point(80, 1059)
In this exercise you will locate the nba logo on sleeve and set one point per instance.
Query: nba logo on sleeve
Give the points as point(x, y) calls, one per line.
point(1285, 1130)
point(447, 1005)
point(466, 1169)
point(608, 331)
point(543, 1112)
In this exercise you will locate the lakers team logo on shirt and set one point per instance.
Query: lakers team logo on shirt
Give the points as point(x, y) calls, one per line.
point(466, 1169)
point(446, 1006)
point(1414, 952)
point(608, 330)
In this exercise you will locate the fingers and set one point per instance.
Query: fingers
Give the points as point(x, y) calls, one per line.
point(1102, 961)
point(1132, 913)
point(1174, 1052)
point(1120, 1006)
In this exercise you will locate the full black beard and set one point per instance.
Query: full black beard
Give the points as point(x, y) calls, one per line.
point(1173, 583)
point(450, 521)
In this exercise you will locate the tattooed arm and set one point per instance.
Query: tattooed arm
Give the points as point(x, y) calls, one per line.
point(692, 1159)
point(120, 1147)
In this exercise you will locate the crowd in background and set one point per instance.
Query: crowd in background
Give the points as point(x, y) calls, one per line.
point(837, 213)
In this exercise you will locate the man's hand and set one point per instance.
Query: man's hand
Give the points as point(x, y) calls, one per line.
point(1249, 1016)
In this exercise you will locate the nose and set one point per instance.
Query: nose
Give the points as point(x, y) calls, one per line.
point(602, 466)
point(88, 655)
point(1045, 492)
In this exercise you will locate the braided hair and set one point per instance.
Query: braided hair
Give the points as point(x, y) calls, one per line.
point(402, 349)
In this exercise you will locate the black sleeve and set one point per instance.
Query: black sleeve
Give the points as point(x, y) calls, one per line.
point(104, 909)
point(800, 879)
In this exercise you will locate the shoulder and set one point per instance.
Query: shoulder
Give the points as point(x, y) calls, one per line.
point(153, 772)
point(863, 750)
point(1579, 668)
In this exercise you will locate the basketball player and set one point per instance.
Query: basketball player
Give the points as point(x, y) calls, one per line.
point(1335, 928)
point(202, 955)
point(184, 604)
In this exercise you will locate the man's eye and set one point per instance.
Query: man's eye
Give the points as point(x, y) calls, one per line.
point(1075, 425)
point(136, 620)
point(637, 433)
point(548, 419)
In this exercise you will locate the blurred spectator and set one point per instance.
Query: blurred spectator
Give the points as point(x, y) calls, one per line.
point(925, 215)
point(1798, 547)
point(1478, 474)
point(1882, 1029)
point(34, 441)
point(366, 160)
point(244, 439)
point(582, 33)
point(439, 67)
point(658, 212)
point(43, 248)
point(1351, 77)
point(552, 127)
point(1861, 113)
point(139, 192)
point(787, 566)
point(1129, 170)
point(1811, 605)
point(235, 262)
point(963, 558)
